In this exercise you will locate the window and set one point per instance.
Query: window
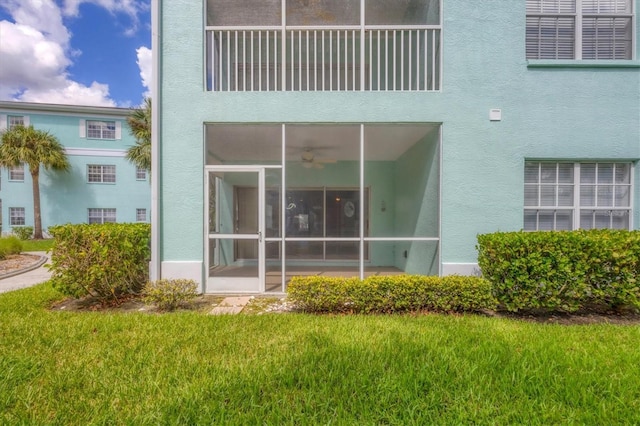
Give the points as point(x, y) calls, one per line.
point(579, 29)
point(101, 129)
point(102, 215)
point(100, 173)
point(16, 120)
point(141, 173)
point(16, 173)
point(16, 216)
point(141, 215)
point(564, 196)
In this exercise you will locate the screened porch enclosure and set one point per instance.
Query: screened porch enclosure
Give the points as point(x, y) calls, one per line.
point(348, 200)
point(323, 45)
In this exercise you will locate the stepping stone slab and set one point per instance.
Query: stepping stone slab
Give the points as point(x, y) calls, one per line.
point(231, 305)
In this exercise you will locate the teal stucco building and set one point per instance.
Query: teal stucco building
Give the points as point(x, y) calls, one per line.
point(359, 137)
point(102, 186)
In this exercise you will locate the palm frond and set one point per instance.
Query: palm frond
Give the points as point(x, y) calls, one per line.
point(139, 122)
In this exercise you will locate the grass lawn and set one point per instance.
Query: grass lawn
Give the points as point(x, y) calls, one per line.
point(37, 245)
point(189, 368)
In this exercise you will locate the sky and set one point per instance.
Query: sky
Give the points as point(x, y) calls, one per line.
point(75, 52)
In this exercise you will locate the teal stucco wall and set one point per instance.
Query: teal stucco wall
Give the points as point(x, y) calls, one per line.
point(66, 196)
point(569, 113)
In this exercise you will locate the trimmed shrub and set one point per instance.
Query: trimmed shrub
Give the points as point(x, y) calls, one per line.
point(390, 294)
point(169, 294)
point(107, 261)
point(23, 232)
point(562, 271)
point(10, 245)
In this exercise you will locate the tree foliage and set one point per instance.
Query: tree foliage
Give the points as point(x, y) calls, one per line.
point(140, 127)
point(35, 148)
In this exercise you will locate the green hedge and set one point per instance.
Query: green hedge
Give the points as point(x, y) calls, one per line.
point(10, 245)
point(388, 294)
point(23, 232)
point(107, 261)
point(562, 271)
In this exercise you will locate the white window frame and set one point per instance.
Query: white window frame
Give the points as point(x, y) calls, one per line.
point(101, 173)
point(17, 216)
point(141, 215)
point(579, 16)
point(577, 208)
point(16, 173)
point(141, 173)
point(101, 215)
point(16, 120)
point(101, 129)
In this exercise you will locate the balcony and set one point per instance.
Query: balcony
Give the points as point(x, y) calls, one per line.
point(330, 47)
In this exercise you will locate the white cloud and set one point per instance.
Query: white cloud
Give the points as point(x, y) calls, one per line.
point(42, 15)
point(35, 52)
point(72, 93)
point(146, 65)
point(130, 8)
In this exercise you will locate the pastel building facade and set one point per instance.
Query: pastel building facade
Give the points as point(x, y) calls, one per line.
point(363, 137)
point(102, 186)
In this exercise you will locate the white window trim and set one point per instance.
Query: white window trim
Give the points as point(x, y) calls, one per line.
point(102, 215)
point(13, 210)
point(102, 174)
point(25, 120)
point(577, 208)
point(139, 172)
point(16, 169)
point(578, 16)
point(138, 215)
point(84, 128)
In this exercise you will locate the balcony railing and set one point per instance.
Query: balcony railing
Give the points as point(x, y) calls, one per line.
point(322, 59)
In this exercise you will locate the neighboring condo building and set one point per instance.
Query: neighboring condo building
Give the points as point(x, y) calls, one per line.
point(102, 186)
point(359, 137)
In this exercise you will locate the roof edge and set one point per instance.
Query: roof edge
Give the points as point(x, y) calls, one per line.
point(61, 108)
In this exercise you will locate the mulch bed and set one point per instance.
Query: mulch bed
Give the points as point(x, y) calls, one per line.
point(15, 262)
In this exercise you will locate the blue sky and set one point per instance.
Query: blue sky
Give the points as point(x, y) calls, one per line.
point(77, 52)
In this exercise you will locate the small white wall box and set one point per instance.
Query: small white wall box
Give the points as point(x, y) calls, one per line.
point(495, 114)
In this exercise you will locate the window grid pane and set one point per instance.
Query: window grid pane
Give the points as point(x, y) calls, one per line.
point(99, 173)
point(141, 215)
point(16, 216)
point(141, 174)
point(16, 173)
point(101, 129)
point(102, 216)
point(606, 31)
point(604, 198)
point(15, 120)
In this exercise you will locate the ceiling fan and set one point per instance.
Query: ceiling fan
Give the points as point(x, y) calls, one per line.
point(309, 160)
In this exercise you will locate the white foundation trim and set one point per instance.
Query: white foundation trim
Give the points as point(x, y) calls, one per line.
point(461, 269)
point(185, 269)
point(96, 152)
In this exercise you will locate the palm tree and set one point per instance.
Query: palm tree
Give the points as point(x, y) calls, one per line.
point(35, 148)
point(140, 126)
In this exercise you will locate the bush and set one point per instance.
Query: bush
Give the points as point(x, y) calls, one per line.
point(106, 261)
point(23, 232)
point(562, 271)
point(10, 245)
point(169, 294)
point(389, 294)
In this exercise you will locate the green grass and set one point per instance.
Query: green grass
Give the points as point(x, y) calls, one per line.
point(37, 245)
point(190, 368)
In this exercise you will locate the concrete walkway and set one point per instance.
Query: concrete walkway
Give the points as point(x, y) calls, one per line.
point(26, 279)
point(231, 305)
